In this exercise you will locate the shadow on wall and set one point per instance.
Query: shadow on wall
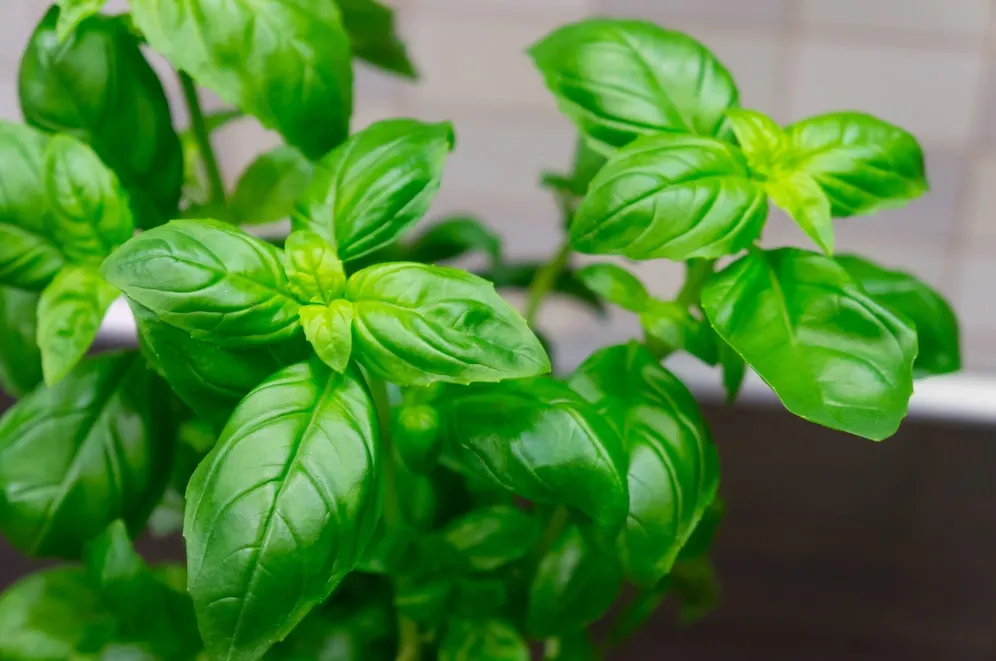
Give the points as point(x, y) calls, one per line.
point(832, 548)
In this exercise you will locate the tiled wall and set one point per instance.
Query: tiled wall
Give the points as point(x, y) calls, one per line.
point(929, 65)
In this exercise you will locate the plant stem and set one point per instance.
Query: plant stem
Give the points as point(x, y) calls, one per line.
point(697, 271)
point(409, 640)
point(544, 281)
point(198, 127)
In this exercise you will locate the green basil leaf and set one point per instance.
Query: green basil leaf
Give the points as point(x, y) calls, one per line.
point(376, 185)
point(416, 324)
point(620, 79)
point(147, 609)
point(451, 238)
point(486, 539)
point(863, 163)
point(74, 12)
point(760, 138)
point(587, 162)
point(210, 379)
point(734, 370)
point(520, 275)
point(54, 614)
point(314, 272)
point(575, 584)
point(576, 646)
point(77, 456)
point(674, 328)
point(299, 84)
point(70, 312)
point(675, 197)
point(20, 357)
point(701, 540)
point(673, 464)
point(424, 601)
point(487, 640)
point(831, 353)
point(697, 589)
point(210, 279)
point(97, 86)
point(905, 295)
point(268, 188)
point(415, 433)
point(372, 34)
point(281, 509)
point(802, 198)
point(616, 285)
point(539, 440)
point(329, 329)
point(29, 257)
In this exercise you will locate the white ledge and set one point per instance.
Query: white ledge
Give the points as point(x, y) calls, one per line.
point(966, 397)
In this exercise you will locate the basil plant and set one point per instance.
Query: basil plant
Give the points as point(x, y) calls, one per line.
point(366, 452)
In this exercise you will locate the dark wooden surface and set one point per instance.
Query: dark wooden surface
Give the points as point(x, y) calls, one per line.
point(834, 548)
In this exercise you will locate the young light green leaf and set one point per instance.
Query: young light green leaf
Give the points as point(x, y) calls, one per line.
point(282, 508)
point(372, 34)
point(74, 12)
point(20, 358)
point(616, 285)
point(831, 353)
point(802, 198)
point(416, 324)
point(210, 379)
point(376, 185)
point(210, 279)
point(862, 163)
point(673, 464)
point(416, 437)
point(620, 79)
point(539, 440)
point(286, 63)
point(98, 87)
point(675, 329)
point(54, 614)
point(760, 138)
point(909, 297)
point(314, 272)
point(487, 539)
point(675, 197)
point(70, 312)
point(269, 187)
point(75, 457)
point(575, 584)
point(485, 640)
point(329, 329)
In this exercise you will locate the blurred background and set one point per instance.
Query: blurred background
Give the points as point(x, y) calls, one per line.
point(833, 547)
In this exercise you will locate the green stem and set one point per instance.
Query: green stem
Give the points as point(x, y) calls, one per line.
point(697, 271)
point(198, 127)
point(544, 282)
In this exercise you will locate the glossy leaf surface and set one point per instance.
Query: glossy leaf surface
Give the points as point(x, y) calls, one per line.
point(620, 79)
point(675, 197)
point(539, 440)
point(616, 285)
point(74, 12)
point(286, 63)
point(935, 322)
point(97, 86)
point(486, 640)
point(489, 538)
point(376, 185)
point(760, 138)
point(269, 187)
point(416, 437)
point(802, 198)
point(674, 328)
point(673, 464)
point(831, 353)
point(574, 585)
point(416, 324)
point(210, 279)
point(314, 272)
point(864, 164)
point(70, 312)
point(329, 329)
point(77, 456)
point(281, 509)
point(20, 357)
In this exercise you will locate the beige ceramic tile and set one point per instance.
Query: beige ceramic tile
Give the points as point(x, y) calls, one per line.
point(930, 92)
point(975, 293)
point(934, 215)
point(980, 217)
point(753, 56)
point(10, 108)
point(527, 6)
point(730, 11)
point(967, 18)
